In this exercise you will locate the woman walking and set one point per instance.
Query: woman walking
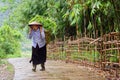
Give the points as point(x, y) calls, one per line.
point(38, 45)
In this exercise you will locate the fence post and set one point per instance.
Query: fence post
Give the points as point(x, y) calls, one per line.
point(100, 48)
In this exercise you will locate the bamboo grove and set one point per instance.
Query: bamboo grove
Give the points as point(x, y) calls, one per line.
point(73, 17)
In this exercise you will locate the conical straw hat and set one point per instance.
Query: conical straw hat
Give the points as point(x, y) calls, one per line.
point(34, 23)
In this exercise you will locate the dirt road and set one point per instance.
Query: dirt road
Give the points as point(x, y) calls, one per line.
point(55, 70)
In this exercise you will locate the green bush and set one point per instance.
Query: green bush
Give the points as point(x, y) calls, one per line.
point(9, 41)
point(2, 53)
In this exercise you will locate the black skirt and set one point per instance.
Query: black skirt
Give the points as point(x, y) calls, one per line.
point(38, 55)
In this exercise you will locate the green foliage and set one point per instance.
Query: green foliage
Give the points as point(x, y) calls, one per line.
point(2, 53)
point(3, 9)
point(9, 41)
point(48, 24)
point(114, 59)
point(91, 15)
point(90, 56)
point(7, 0)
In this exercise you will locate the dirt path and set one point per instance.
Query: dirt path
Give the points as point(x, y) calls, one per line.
point(55, 70)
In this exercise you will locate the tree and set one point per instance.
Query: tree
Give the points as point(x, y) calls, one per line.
point(87, 16)
point(73, 14)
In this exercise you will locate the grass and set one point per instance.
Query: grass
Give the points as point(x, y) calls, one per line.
point(59, 55)
point(92, 56)
point(9, 66)
point(13, 55)
point(7, 69)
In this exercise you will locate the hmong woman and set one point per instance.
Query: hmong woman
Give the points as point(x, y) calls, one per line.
point(38, 45)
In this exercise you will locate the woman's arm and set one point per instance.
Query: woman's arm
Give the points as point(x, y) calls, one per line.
point(30, 33)
point(42, 33)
